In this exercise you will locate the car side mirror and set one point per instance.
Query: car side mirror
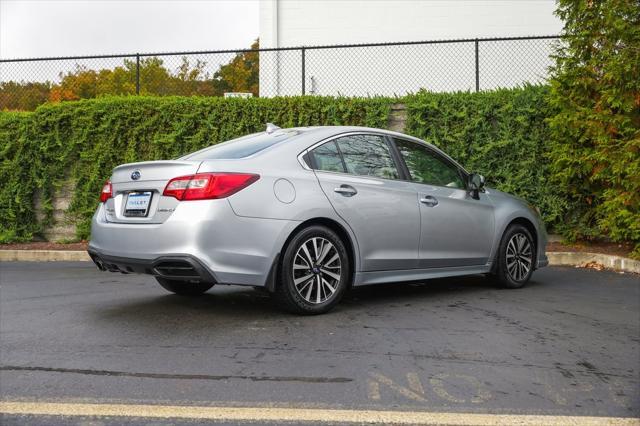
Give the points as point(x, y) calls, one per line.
point(475, 185)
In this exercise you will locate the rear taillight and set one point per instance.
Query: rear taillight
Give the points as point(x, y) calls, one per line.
point(205, 186)
point(107, 192)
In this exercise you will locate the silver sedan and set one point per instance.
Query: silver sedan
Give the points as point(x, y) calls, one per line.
point(307, 213)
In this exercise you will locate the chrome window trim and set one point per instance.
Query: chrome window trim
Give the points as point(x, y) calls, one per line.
point(360, 176)
point(408, 138)
point(392, 135)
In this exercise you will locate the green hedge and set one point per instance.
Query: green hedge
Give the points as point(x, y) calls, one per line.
point(501, 134)
point(84, 140)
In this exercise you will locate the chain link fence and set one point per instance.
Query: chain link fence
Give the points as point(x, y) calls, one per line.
point(382, 69)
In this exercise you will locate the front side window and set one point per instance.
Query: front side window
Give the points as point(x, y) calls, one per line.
point(425, 166)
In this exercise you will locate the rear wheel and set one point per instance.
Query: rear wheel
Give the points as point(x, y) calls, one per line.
point(516, 257)
point(184, 288)
point(314, 272)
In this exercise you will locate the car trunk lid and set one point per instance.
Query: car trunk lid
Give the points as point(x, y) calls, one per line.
point(137, 190)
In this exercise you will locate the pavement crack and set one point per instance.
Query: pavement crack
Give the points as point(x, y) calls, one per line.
point(111, 373)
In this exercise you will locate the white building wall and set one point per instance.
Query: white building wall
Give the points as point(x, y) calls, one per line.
point(400, 69)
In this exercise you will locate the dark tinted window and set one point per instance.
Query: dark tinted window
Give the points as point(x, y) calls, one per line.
point(327, 157)
point(367, 155)
point(425, 166)
point(239, 148)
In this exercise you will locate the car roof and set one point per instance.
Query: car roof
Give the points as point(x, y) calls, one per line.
point(314, 134)
point(307, 136)
point(336, 130)
point(296, 140)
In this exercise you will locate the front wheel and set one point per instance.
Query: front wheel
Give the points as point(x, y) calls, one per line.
point(516, 257)
point(183, 288)
point(314, 272)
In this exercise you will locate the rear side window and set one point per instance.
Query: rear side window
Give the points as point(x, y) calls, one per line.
point(239, 148)
point(361, 155)
point(327, 158)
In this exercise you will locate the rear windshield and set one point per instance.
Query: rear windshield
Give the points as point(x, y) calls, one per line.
point(241, 147)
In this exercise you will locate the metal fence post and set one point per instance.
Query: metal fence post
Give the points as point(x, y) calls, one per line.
point(137, 73)
point(477, 66)
point(303, 76)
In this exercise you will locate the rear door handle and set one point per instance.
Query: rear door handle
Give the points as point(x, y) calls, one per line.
point(346, 190)
point(429, 201)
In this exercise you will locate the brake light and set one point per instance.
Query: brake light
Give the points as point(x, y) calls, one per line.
point(107, 192)
point(206, 186)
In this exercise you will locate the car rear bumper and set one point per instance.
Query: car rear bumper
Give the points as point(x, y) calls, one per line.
point(205, 238)
point(180, 267)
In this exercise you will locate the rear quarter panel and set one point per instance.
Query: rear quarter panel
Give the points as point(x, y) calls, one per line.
point(284, 191)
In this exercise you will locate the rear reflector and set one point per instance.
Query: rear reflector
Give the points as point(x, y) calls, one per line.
point(206, 186)
point(107, 192)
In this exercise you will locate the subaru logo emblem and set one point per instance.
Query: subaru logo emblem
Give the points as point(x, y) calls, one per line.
point(135, 175)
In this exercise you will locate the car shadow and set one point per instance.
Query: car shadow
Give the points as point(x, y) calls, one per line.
point(227, 306)
point(239, 302)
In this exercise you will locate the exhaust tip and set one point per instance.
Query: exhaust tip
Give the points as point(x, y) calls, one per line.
point(99, 263)
point(176, 268)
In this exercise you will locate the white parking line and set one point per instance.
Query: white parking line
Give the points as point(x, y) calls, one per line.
point(253, 414)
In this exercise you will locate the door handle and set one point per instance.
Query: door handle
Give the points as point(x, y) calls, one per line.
point(429, 201)
point(346, 190)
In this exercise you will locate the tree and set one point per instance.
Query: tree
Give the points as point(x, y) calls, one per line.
point(21, 96)
point(595, 88)
point(241, 74)
point(74, 85)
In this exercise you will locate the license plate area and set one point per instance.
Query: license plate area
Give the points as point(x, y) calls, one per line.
point(137, 204)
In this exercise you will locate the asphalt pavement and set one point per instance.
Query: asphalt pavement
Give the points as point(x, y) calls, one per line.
point(568, 344)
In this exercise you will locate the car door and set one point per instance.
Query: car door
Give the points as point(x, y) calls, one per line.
point(359, 175)
point(456, 229)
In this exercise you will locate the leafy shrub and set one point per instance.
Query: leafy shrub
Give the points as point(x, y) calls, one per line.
point(17, 217)
point(595, 92)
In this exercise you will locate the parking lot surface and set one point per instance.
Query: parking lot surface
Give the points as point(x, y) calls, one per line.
point(568, 344)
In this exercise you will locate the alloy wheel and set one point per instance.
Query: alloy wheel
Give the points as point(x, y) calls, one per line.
point(316, 270)
point(519, 257)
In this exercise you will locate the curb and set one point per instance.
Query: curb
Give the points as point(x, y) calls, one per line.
point(581, 259)
point(43, 256)
point(556, 258)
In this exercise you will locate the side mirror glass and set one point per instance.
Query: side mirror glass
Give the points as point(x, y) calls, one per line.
point(476, 185)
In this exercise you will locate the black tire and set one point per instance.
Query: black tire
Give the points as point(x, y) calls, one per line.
point(515, 263)
point(184, 288)
point(319, 298)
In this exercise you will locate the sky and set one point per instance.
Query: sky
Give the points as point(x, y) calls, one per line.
point(37, 28)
